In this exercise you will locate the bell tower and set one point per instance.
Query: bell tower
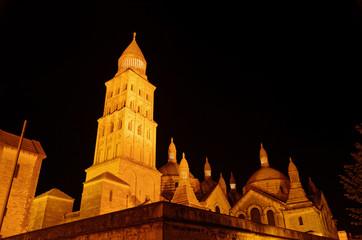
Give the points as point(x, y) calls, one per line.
point(126, 136)
point(126, 128)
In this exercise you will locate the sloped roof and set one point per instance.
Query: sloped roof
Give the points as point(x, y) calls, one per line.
point(185, 195)
point(27, 145)
point(55, 193)
point(133, 49)
point(107, 176)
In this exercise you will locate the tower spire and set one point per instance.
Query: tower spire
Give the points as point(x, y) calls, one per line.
point(207, 169)
point(263, 157)
point(232, 182)
point(172, 152)
point(132, 58)
point(296, 192)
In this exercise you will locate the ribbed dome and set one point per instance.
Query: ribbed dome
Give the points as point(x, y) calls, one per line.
point(266, 173)
point(133, 58)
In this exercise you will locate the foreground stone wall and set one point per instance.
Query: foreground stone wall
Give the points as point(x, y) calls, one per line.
point(164, 220)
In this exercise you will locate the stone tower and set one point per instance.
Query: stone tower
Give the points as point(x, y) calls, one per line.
point(126, 140)
point(24, 183)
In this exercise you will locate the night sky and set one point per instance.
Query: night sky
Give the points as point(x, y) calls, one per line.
point(229, 75)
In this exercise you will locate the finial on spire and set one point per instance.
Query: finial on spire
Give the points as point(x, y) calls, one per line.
point(134, 36)
point(183, 155)
point(171, 139)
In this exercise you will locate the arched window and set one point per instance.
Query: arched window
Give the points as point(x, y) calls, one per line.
point(241, 216)
point(110, 195)
point(217, 209)
point(139, 130)
point(255, 215)
point(120, 124)
point(300, 219)
point(270, 216)
point(111, 127)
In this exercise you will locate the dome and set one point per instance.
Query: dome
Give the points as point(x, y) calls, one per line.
point(267, 173)
point(172, 169)
point(169, 169)
point(270, 181)
point(132, 57)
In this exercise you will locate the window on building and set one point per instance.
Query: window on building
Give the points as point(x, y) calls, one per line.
point(120, 124)
point(110, 195)
point(147, 97)
point(255, 215)
point(270, 216)
point(217, 209)
point(130, 125)
point(139, 92)
point(138, 109)
point(176, 184)
point(148, 134)
point(111, 127)
point(300, 219)
point(131, 87)
point(139, 130)
point(281, 189)
point(241, 216)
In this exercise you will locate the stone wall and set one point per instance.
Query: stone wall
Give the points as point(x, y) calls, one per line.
point(164, 220)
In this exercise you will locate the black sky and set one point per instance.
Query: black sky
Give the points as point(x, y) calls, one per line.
point(228, 75)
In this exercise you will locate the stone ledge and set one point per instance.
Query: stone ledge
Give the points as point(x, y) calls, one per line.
point(163, 220)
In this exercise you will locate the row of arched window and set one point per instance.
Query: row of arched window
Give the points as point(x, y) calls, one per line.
point(255, 216)
point(130, 127)
point(132, 62)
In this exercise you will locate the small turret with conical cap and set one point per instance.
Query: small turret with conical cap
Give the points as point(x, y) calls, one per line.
point(207, 169)
point(263, 157)
point(232, 182)
point(172, 152)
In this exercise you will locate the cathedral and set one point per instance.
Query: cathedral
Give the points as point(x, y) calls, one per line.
point(124, 176)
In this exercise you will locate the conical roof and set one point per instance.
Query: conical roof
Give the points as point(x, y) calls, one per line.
point(207, 166)
point(133, 58)
point(263, 157)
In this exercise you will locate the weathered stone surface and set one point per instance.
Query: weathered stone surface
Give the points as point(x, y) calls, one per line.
point(164, 221)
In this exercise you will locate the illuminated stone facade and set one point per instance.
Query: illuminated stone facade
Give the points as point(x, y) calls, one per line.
point(124, 176)
point(165, 221)
point(26, 179)
point(124, 171)
point(270, 197)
